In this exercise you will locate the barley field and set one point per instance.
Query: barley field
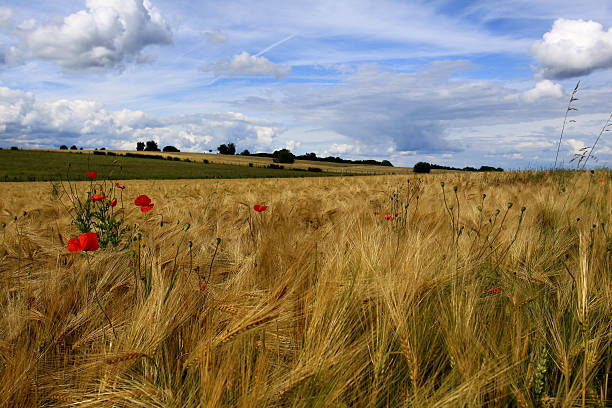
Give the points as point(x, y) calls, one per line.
point(446, 290)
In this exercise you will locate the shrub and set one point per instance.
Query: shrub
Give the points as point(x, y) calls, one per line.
point(63, 147)
point(14, 148)
point(229, 148)
point(151, 146)
point(205, 161)
point(422, 167)
point(171, 149)
point(275, 166)
point(73, 147)
point(315, 169)
point(283, 156)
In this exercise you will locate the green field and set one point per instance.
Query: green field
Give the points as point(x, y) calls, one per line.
point(26, 165)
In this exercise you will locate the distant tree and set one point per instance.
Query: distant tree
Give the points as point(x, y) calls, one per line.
point(386, 163)
point(310, 156)
point(151, 146)
point(245, 152)
point(422, 167)
point(229, 148)
point(171, 149)
point(63, 147)
point(73, 147)
point(103, 148)
point(489, 168)
point(283, 156)
point(140, 146)
point(14, 148)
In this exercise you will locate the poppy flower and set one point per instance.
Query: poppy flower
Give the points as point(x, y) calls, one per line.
point(146, 208)
point(98, 197)
point(601, 180)
point(92, 175)
point(396, 214)
point(73, 245)
point(493, 291)
point(113, 202)
point(376, 212)
point(120, 186)
point(203, 287)
point(260, 208)
point(88, 241)
point(388, 217)
point(142, 200)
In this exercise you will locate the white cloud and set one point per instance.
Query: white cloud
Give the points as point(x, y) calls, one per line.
point(88, 123)
point(543, 89)
point(342, 148)
point(109, 34)
point(247, 64)
point(573, 48)
point(6, 17)
point(292, 144)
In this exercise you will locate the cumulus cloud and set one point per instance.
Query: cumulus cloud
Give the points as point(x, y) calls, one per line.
point(49, 124)
point(247, 64)
point(543, 89)
point(109, 34)
point(573, 48)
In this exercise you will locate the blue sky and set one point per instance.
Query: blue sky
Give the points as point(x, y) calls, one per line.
point(462, 83)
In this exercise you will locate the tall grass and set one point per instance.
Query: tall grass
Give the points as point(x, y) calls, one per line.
point(463, 300)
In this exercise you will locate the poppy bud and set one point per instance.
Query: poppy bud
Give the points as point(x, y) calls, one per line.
point(218, 241)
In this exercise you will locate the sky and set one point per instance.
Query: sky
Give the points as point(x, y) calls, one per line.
point(452, 82)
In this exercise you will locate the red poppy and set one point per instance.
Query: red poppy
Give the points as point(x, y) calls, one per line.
point(396, 214)
point(493, 291)
point(260, 208)
point(88, 241)
point(142, 200)
point(388, 217)
point(120, 186)
point(376, 212)
point(73, 245)
point(98, 197)
point(113, 202)
point(91, 174)
point(203, 287)
point(146, 208)
point(601, 179)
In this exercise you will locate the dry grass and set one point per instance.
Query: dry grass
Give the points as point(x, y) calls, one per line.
point(319, 303)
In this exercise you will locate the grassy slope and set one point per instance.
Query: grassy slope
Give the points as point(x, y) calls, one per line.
point(25, 165)
point(316, 302)
point(264, 161)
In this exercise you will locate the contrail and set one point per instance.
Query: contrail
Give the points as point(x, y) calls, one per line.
point(276, 44)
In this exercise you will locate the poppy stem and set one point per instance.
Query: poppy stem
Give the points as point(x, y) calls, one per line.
point(212, 261)
point(97, 299)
